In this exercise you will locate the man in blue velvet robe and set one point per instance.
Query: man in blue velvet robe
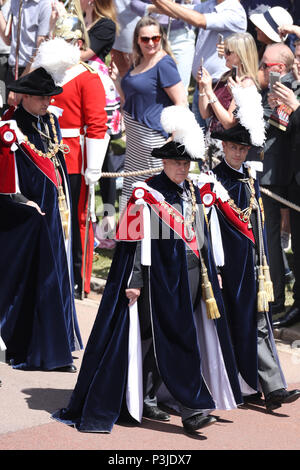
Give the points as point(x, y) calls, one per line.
point(157, 333)
point(244, 274)
point(37, 309)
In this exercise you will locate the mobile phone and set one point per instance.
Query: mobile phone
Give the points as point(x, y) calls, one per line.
point(201, 67)
point(273, 78)
point(234, 72)
point(220, 38)
point(220, 41)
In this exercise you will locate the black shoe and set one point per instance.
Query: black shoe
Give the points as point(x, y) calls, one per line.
point(291, 317)
point(254, 399)
point(197, 422)
point(153, 412)
point(70, 368)
point(276, 398)
point(78, 293)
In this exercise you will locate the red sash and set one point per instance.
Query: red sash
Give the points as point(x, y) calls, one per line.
point(130, 227)
point(228, 212)
point(7, 171)
point(43, 163)
point(7, 160)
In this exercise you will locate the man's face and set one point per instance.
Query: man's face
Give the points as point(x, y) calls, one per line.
point(271, 63)
point(176, 170)
point(297, 57)
point(297, 51)
point(36, 104)
point(235, 154)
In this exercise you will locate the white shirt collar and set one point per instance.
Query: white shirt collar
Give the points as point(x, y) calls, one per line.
point(240, 169)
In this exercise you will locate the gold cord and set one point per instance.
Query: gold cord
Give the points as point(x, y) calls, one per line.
point(54, 148)
point(245, 214)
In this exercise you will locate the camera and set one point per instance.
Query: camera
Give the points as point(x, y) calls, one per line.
point(220, 41)
point(234, 72)
point(274, 77)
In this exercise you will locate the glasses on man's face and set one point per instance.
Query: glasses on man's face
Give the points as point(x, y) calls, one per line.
point(227, 51)
point(146, 39)
point(267, 65)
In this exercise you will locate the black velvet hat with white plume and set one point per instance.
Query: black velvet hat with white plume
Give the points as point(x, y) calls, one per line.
point(237, 134)
point(250, 127)
point(187, 136)
point(52, 60)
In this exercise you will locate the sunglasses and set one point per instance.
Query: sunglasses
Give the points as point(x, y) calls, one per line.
point(227, 51)
point(266, 65)
point(146, 39)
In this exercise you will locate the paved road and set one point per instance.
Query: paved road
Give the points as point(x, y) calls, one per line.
point(27, 400)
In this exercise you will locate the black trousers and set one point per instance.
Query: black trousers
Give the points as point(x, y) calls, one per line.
point(75, 185)
point(112, 164)
point(273, 228)
point(294, 194)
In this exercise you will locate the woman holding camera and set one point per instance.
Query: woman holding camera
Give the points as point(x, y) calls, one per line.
point(217, 103)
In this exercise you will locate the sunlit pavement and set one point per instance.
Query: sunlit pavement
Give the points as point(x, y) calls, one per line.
point(27, 400)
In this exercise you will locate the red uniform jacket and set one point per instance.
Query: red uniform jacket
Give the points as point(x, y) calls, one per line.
point(82, 105)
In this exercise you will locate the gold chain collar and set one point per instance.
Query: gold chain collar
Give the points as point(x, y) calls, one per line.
point(245, 214)
point(190, 217)
point(53, 147)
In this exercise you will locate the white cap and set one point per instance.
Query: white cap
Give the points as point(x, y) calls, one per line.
point(269, 21)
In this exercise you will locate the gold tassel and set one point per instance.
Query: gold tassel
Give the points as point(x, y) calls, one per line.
point(262, 211)
point(262, 298)
point(268, 281)
point(212, 310)
point(64, 211)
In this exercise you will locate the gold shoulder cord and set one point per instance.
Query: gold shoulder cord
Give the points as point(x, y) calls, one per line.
point(265, 292)
point(54, 148)
point(88, 67)
point(245, 214)
point(205, 216)
point(212, 310)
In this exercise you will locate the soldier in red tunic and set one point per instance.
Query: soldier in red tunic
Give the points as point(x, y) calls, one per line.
point(82, 118)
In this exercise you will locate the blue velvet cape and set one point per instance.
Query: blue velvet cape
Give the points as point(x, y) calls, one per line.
point(239, 279)
point(37, 309)
point(96, 401)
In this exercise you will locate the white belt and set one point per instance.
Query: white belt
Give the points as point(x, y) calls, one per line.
point(70, 132)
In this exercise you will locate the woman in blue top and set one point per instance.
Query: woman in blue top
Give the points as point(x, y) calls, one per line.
point(181, 35)
point(152, 83)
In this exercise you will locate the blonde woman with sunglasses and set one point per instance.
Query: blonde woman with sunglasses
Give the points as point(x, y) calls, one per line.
point(217, 103)
point(151, 84)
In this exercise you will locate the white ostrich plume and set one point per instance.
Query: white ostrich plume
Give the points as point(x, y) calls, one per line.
point(250, 112)
point(56, 56)
point(182, 124)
